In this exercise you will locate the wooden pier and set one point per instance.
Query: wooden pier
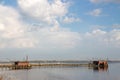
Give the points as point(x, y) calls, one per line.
point(9, 66)
point(14, 65)
point(61, 65)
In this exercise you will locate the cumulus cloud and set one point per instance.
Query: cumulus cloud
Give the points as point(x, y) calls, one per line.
point(95, 12)
point(107, 1)
point(6, 22)
point(71, 20)
point(44, 10)
point(11, 28)
point(103, 38)
point(15, 34)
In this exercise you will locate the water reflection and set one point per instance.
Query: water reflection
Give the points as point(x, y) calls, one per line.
point(68, 73)
point(7, 76)
point(100, 68)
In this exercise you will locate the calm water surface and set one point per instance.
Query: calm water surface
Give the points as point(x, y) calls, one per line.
point(66, 73)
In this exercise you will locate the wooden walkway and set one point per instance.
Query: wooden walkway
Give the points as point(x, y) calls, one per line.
point(32, 64)
point(10, 66)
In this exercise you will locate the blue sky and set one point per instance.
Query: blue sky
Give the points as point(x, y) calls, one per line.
point(60, 29)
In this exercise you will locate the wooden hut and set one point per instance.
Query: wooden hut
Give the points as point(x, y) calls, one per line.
point(21, 65)
point(100, 63)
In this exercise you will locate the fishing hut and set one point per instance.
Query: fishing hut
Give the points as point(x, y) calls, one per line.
point(100, 63)
point(21, 65)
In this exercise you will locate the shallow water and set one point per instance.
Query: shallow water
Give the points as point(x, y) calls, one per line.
point(66, 73)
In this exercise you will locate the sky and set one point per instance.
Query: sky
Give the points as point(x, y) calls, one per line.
point(59, 29)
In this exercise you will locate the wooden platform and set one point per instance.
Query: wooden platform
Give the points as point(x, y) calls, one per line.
point(28, 65)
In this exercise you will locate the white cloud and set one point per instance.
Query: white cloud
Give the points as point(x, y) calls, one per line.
point(71, 20)
point(15, 34)
point(25, 43)
point(107, 1)
point(117, 26)
point(103, 38)
point(115, 34)
point(50, 37)
point(44, 10)
point(2, 27)
point(95, 12)
point(11, 28)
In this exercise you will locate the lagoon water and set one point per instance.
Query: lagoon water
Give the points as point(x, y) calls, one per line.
point(66, 73)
